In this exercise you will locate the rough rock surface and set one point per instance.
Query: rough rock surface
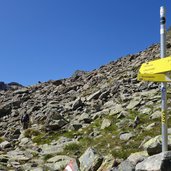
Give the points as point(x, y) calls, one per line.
point(90, 160)
point(158, 162)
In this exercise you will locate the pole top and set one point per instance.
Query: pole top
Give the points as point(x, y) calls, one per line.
point(162, 11)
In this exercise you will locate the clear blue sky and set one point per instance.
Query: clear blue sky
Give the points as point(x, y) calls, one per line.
point(50, 39)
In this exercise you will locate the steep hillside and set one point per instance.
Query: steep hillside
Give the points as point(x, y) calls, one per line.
point(106, 109)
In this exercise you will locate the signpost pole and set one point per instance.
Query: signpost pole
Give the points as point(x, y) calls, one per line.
point(163, 84)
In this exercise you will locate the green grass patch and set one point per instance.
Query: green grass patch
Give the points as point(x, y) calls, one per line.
point(73, 149)
point(1, 139)
point(31, 132)
point(45, 138)
point(108, 141)
point(47, 156)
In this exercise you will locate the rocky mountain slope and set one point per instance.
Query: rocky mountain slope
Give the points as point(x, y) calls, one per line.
point(97, 119)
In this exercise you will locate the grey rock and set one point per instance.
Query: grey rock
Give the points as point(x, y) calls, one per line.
point(57, 82)
point(126, 136)
point(79, 73)
point(51, 149)
point(5, 145)
point(107, 164)
point(77, 103)
point(169, 130)
point(18, 155)
point(90, 160)
point(137, 157)
point(145, 110)
point(106, 123)
point(156, 114)
point(110, 104)
point(151, 126)
point(94, 95)
point(85, 118)
point(55, 120)
point(76, 125)
point(25, 142)
point(122, 115)
point(116, 109)
point(154, 145)
point(59, 162)
point(37, 169)
point(21, 91)
point(126, 166)
point(32, 166)
point(4, 158)
point(5, 109)
point(56, 124)
point(104, 95)
point(100, 114)
point(56, 146)
point(134, 102)
point(122, 123)
point(158, 162)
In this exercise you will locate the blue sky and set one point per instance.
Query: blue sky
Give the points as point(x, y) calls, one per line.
point(50, 39)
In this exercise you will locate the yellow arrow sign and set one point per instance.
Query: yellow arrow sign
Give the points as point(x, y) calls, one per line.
point(157, 66)
point(154, 77)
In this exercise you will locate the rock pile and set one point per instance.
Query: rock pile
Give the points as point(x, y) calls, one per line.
point(96, 119)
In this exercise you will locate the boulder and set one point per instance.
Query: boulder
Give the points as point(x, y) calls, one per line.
point(104, 95)
point(154, 145)
point(151, 126)
point(77, 103)
point(133, 103)
point(5, 109)
point(75, 125)
point(145, 110)
point(94, 95)
point(85, 118)
point(54, 120)
point(158, 162)
point(137, 157)
point(4, 158)
point(25, 142)
point(117, 108)
point(21, 91)
point(59, 162)
point(90, 160)
point(5, 144)
point(155, 115)
point(107, 164)
point(19, 156)
point(125, 166)
point(57, 82)
point(56, 146)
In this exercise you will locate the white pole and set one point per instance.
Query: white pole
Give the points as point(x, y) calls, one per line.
point(163, 85)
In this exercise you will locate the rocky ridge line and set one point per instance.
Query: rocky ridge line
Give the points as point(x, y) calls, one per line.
point(106, 103)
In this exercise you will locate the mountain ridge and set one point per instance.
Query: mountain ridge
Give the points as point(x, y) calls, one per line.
point(105, 113)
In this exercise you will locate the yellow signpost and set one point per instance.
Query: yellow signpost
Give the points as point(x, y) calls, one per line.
point(157, 66)
point(160, 71)
point(154, 77)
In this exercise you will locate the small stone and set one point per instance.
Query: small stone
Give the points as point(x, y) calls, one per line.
point(106, 123)
point(126, 136)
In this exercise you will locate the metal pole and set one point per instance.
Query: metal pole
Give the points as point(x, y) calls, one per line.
point(163, 85)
